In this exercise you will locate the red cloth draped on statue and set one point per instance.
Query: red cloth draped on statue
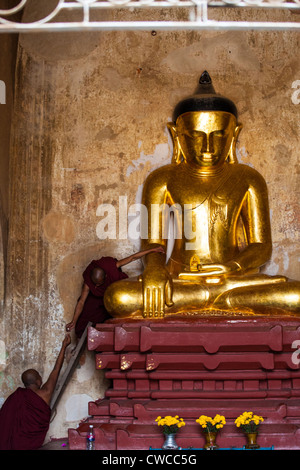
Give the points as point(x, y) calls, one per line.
point(24, 421)
point(94, 310)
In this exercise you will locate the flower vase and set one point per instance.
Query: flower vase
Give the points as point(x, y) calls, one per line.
point(170, 442)
point(251, 441)
point(210, 441)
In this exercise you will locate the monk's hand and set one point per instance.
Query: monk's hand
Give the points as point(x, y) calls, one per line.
point(70, 326)
point(157, 291)
point(159, 249)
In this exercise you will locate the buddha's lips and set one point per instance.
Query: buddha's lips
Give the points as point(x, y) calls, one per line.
point(206, 158)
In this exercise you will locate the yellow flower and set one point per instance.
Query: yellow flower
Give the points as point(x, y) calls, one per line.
point(170, 421)
point(211, 424)
point(248, 421)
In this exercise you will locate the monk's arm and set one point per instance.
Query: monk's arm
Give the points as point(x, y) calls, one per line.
point(48, 387)
point(79, 306)
point(139, 255)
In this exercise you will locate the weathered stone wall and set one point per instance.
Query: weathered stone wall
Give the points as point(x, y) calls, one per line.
point(89, 125)
point(8, 48)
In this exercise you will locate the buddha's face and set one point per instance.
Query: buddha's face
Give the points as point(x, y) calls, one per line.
point(205, 137)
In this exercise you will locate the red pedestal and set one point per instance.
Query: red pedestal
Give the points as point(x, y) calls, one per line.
point(201, 366)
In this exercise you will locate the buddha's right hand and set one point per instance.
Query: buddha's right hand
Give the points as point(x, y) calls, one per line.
point(157, 291)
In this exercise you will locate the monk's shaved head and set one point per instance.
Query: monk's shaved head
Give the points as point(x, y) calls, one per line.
point(30, 377)
point(98, 276)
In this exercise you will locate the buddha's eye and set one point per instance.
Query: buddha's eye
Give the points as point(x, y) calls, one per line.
point(220, 133)
point(196, 134)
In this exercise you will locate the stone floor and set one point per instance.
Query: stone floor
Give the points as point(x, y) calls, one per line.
point(56, 444)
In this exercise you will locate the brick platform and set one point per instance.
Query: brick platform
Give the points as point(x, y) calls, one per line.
point(193, 367)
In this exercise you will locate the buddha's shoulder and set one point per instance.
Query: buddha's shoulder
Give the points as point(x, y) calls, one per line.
point(172, 172)
point(162, 172)
point(246, 171)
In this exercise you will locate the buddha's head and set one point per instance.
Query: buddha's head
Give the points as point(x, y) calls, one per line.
point(205, 128)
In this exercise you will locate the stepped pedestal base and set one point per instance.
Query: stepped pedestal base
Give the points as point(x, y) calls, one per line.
point(200, 366)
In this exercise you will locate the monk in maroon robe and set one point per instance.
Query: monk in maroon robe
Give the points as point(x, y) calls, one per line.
point(97, 277)
point(24, 421)
point(25, 415)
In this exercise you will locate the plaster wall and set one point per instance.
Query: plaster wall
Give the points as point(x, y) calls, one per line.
point(89, 124)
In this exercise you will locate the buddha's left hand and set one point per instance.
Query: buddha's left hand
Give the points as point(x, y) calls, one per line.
point(218, 269)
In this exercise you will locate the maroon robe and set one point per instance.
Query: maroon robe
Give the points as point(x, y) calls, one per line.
point(94, 310)
point(24, 421)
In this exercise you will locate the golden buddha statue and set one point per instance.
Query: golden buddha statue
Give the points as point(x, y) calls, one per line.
point(222, 232)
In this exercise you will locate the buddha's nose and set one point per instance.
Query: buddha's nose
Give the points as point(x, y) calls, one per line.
point(207, 145)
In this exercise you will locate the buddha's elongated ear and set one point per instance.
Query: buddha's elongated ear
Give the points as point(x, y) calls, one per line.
point(177, 154)
point(232, 158)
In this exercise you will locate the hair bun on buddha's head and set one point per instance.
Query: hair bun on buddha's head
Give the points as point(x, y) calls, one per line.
point(204, 99)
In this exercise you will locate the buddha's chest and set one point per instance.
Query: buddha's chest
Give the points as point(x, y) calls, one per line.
point(210, 204)
point(226, 190)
